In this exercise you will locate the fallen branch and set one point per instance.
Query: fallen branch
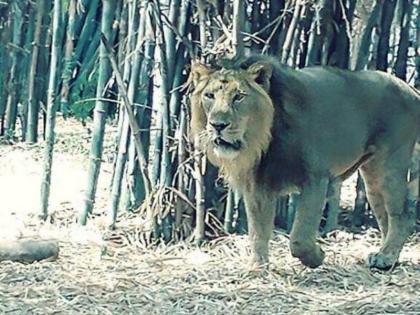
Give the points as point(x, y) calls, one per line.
point(29, 250)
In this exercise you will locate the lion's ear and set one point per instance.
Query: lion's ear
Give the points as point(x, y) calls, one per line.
point(198, 73)
point(261, 73)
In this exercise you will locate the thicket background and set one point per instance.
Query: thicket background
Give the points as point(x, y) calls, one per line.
point(53, 62)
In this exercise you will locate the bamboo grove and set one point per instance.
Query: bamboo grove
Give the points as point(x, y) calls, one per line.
point(128, 61)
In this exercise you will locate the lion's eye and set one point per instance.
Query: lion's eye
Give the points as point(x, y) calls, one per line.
point(209, 95)
point(238, 97)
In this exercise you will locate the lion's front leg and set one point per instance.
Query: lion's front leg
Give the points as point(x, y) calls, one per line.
point(310, 204)
point(260, 209)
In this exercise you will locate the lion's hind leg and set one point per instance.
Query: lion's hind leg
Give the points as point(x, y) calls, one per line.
point(373, 184)
point(386, 182)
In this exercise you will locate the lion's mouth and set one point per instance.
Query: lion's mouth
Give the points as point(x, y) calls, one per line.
point(222, 143)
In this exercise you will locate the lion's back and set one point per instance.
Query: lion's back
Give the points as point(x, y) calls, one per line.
point(365, 90)
point(343, 111)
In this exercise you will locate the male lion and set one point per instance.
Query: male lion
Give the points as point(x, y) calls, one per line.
point(274, 130)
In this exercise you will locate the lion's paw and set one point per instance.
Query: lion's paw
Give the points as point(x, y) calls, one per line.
point(258, 263)
point(310, 255)
point(381, 261)
point(313, 260)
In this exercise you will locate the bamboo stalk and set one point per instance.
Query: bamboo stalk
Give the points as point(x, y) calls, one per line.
point(122, 154)
point(178, 81)
point(124, 45)
point(155, 149)
point(33, 99)
point(320, 35)
point(170, 42)
point(291, 31)
point(180, 62)
point(359, 212)
point(89, 60)
point(130, 114)
point(165, 173)
point(68, 58)
point(202, 25)
point(15, 54)
point(181, 158)
point(280, 219)
point(238, 26)
point(241, 221)
point(296, 45)
point(280, 26)
point(400, 67)
point(229, 210)
point(44, 67)
point(385, 33)
point(255, 23)
point(88, 30)
point(124, 49)
point(199, 197)
point(363, 53)
point(156, 136)
point(198, 159)
point(51, 110)
point(143, 58)
point(4, 66)
point(333, 197)
point(26, 64)
point(277, 9)
point(291, 211)
point(306, 27)
point(338, 50)
point(100, 113)
point(165, 179)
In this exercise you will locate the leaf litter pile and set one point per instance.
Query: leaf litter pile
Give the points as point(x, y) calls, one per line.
point(102, 272)
point(111, 277)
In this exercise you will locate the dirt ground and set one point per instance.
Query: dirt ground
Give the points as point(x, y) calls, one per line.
point(102, 273)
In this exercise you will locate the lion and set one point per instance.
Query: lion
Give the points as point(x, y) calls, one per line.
point(273, 130)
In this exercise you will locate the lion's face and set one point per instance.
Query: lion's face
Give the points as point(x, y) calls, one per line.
point(228, 108)
point(232, 113)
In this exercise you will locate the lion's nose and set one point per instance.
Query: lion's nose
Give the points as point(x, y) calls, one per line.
point(219, 125)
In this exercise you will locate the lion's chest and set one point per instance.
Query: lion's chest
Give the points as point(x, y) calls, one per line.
point(281, 172)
